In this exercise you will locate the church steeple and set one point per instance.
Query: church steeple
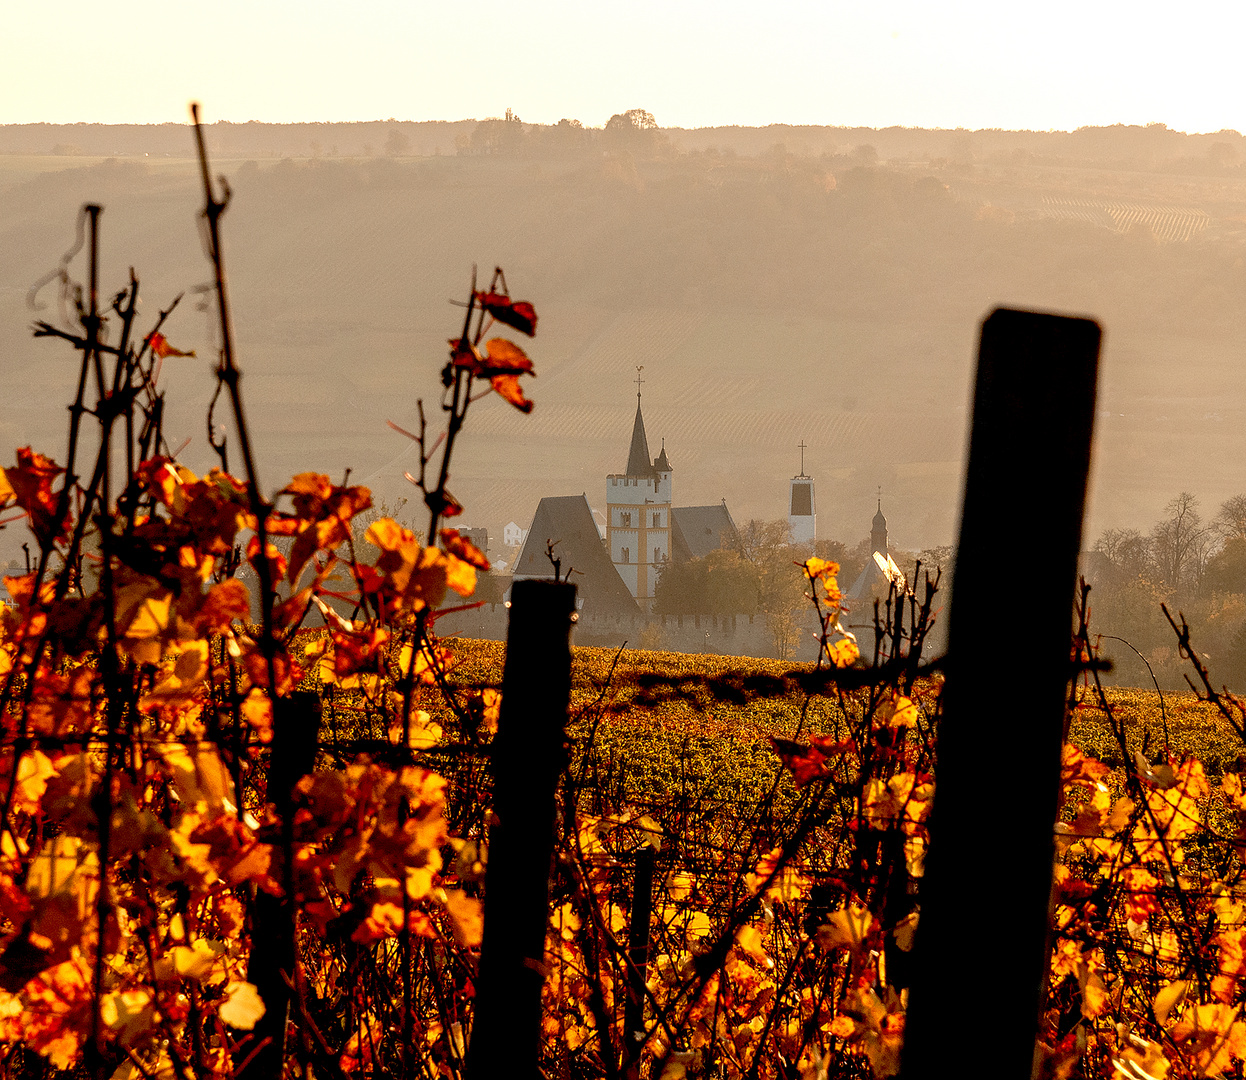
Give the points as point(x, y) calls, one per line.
point(878, 529)
point(638, 514)
point(802, 518)
point(639, 463)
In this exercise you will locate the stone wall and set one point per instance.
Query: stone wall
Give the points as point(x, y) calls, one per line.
point(721, 635)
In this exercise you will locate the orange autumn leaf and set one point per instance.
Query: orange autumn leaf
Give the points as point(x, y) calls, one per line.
point(505, 358)
point(1077, 768)
point(843, 653)
point(257, 711)
point(462, 548)
point(508, 387)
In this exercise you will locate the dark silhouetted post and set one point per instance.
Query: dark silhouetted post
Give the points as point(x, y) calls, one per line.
point(981, 942)
point(638, 957)
point(528, 757)
point(296, 734)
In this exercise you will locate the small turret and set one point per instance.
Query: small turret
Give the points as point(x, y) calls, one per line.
point(660, 464)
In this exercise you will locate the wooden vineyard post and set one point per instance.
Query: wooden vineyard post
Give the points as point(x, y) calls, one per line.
point(296, 736)
point(638, 958)
point(528, 758)
point(981, 943)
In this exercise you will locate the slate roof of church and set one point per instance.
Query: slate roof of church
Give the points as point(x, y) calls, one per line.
point(568, 521)
point(638, 461)
point(698, 530)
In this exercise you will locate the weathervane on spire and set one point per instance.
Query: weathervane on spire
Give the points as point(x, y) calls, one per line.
point(802, 446)
point(639, 380)
point(880, 498)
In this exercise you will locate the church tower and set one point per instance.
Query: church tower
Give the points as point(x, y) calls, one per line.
point(878, 531)
point(802, 519)
point(638, 513)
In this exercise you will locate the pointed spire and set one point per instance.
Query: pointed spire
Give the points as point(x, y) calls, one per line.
point(638, 461)
point(878, 530)
point(662, 464)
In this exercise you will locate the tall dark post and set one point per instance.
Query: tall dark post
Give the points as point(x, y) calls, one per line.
point(638, 958)
point(296, 735)
point(981, 945)
point(528, 758)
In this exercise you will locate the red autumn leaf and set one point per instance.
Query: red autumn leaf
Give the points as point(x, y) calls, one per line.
point(808, 762)
point(463, 548)
point(31, 481)
point(225, 602)
point(517, 313)
point(828, 745)
point(462, 355)
point(161, 348)
point(508, 386)
point(364, 650)
point(805, 762)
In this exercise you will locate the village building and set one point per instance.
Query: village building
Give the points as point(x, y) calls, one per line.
point(563, 529)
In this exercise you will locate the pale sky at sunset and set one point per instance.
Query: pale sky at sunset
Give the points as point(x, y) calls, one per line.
point(1059, 64)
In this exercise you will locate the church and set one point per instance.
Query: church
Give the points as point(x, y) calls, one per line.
point(644, 530)
point(638, 514)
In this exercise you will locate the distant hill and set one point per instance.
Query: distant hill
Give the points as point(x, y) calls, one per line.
point(1153, 147)
point(777, 284)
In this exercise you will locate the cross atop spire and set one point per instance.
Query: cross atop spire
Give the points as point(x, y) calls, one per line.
point(639, 380)
point(880, 498)
point(803, 448)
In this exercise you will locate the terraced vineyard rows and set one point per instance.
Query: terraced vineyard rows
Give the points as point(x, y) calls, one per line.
point(1173, 224)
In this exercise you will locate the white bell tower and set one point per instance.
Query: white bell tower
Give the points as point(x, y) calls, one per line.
point(802, 518)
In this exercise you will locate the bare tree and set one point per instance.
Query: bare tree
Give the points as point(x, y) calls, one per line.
point(1181, 543)
point(1126, 552)
point(1230, 522)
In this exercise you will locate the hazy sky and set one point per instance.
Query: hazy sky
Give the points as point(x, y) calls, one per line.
point(1059, 64)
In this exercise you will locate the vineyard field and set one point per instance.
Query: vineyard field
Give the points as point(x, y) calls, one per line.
point(709, 718)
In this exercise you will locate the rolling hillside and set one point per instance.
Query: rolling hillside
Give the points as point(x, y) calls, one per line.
point(770, 299)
